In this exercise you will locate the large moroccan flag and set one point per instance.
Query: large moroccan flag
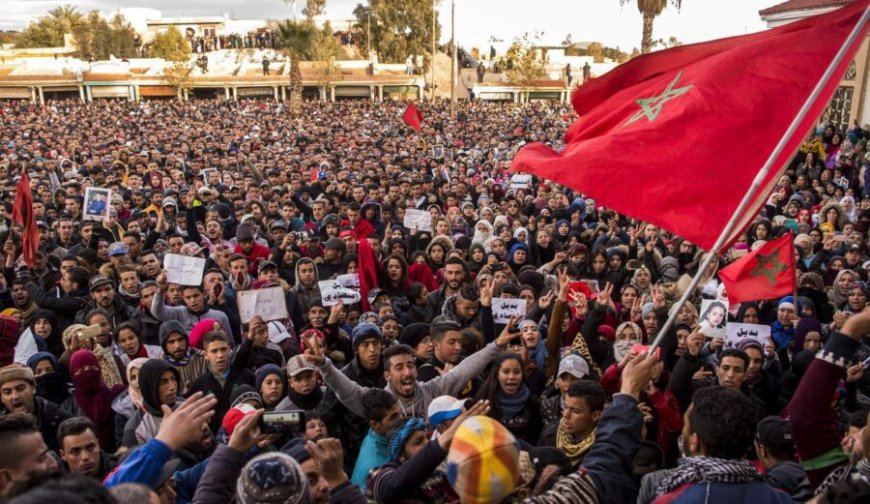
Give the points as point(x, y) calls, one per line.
point(765, 273)
point(22, 213)
point(413, 117)
point(676, 137)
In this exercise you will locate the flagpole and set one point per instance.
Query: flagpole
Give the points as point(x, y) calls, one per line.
point(857, 31)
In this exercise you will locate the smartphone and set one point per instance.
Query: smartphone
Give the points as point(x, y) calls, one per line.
point(91, 331)
point(866, 363)
point(639, 349)
point(282, 422)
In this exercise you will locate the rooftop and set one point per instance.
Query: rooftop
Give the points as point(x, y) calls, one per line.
point(798, 5)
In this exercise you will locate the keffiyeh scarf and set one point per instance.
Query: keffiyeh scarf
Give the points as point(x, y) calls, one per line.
point(708, 470)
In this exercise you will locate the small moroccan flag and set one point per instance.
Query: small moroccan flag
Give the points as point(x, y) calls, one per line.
point(765, 273)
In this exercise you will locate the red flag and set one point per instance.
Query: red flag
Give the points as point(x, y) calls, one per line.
point(765, 273)
point(413, 117)
point(658, 136)
point(22, 213)
point(369, 269)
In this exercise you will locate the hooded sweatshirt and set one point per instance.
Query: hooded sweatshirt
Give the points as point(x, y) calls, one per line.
point(306, 295)
point(149, 385)
point(192, 365)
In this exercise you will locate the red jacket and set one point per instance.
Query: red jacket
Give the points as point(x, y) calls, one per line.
point(258, 253)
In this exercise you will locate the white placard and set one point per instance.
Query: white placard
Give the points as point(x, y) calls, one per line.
point(714, 317)
point(98, 201)
point(421, 219)
point(503, 309)
point(331, 291)
point(183, 270)
point(521, 181)
point(350, 280)
point(735, 333)
point(268, 303)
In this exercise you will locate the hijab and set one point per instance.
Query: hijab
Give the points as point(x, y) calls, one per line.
point(483, 237)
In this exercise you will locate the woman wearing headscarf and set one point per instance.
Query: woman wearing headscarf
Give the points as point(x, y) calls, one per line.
point(544, 249)
point(518, 257)
point(42, 334)
point(839, 293)
point(51, 382)
point(483, 234)
point(129, 403)
point(511, 402)
point(93, 397)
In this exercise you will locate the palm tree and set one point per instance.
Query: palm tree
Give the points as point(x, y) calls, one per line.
point(650, 10)
point(297, 37)
point(67, 16)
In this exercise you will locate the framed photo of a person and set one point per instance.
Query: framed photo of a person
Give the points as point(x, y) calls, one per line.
point(448, 154)
point(97, 203)
point(714, 317)
point(438, 151)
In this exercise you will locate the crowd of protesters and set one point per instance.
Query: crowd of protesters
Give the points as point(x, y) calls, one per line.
point(118, 385)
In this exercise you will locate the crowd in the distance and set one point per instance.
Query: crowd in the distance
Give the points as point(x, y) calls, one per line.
point(120, 385)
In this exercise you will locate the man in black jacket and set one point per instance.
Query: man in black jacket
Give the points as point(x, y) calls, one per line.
point(220, 378)
point(367, 370)
point(74, 283)
point(80, 449)
point(454, 278)
point(103, 296)
point(18, 394)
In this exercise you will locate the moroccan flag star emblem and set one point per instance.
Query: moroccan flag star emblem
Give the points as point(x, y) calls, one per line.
point(769, 266)
point(651, 107)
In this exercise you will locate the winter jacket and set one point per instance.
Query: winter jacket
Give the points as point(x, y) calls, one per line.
point(347, 426)
point(452, 383)
point(118, 313)
point(791, 478)
point(373, 453)
point(208, 384)
point(65, 308)
point(48, 417)
point(435, 303)
point(143, 465)
point(754, 492)
point(417, 479)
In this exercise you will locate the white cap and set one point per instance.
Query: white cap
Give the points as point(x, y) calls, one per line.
point(574, 365)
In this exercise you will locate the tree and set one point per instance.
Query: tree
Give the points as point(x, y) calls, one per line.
point(170, 45)
point(523, 65)
point(671, 42)
point(596, 50)
point(313, 8)
point(399, 28)
point(650, 9)
point(568, 42)
point(297, 38)
point(99, 39)
point(48, 30)
point(323, 51)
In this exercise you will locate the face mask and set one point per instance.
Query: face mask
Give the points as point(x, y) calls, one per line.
point(52, 386)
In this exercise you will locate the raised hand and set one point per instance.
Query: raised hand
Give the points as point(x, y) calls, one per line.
point(604, 299)
point(329, 457)
point(315, 353)
point(479, 408)
point(546, 300)
point(637, 373)
point(486, 293)
point(694, 343)
point(658, 296)
point(247, 433)
point(185, 423)
point(507, 334)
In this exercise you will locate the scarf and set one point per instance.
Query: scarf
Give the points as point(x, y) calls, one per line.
point(135, 392)
point(512, 405)
point(27, 315)
point(179, 363)
point(92, 395)
point(574, 450)
point(130, 295)
point(53, 386)
point(108, 366)
point(708, 470)
point(579, 347)
point(308, 401)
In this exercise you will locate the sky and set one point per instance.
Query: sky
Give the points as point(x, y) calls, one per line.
point(604, 21)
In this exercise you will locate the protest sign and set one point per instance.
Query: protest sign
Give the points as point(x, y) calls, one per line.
point(267, 303)
point(97, 203)
point(350, 280)
point(735, 333)
point(503, 309)
point(183, 270)
point(331, 291)
point(421, 219)
point(521, 181)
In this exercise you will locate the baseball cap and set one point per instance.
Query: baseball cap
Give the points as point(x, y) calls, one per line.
point(442, 409)
point(335, 244)
point(118, 249)
point(266, 265)
point(98, 281)
point(169, 201)
point(42, 224)
point(297, 364)
point(775, 433)
point(574, 365)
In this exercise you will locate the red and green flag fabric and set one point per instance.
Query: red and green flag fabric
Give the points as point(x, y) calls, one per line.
point(22, 213)
point(676, 137)
point(767, 272)
point(413, 117)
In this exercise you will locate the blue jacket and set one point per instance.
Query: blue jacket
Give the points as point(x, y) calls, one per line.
point(756, 492)
point(373, 453)
point(143, 465)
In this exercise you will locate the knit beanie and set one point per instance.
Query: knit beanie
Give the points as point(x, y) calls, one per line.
point(483, 461)
point(14, 372)
point(413, 334)
point(364, 331)
point(244, 393)
point(272, 477)
point(265, 370)
point(197, 334)
point(397, 442)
